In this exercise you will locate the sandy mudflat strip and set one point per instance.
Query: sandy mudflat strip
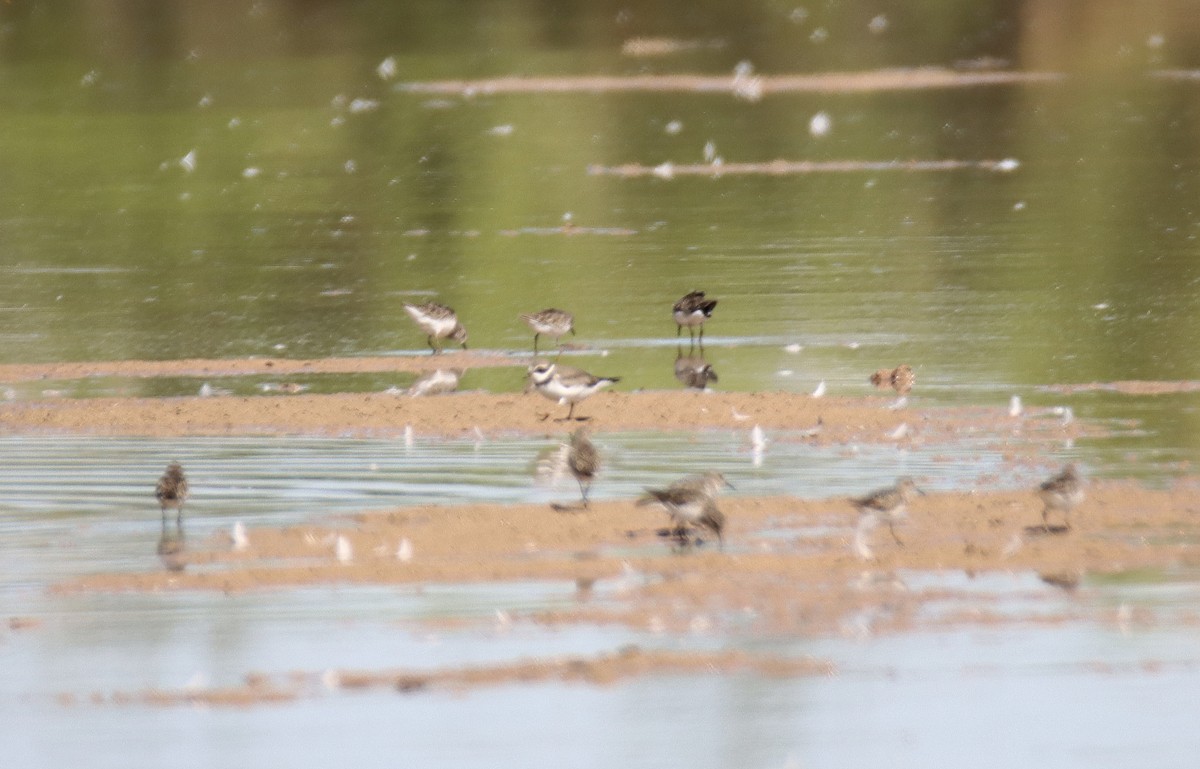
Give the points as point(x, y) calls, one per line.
point(829, 419)
point(806, 582)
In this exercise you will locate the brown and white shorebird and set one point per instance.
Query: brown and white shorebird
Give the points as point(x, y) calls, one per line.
point(566, 384)
point(439, 322)
point(883, 506)
point(172, 489)
point(1062, 492)
point(583, 461)
point(691, 501)
point(691, 311)
point(901, 379)
point(551, 322)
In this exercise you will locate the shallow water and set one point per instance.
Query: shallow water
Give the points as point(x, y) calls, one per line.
point(185, 183)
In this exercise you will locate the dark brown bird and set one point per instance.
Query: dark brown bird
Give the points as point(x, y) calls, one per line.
point(172, 489)
point(691, 311)
point(901, 379)
point(584, 462)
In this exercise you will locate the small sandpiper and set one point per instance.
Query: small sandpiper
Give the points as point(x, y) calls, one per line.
point(439, 322)
point(172, 489)
point(691, 311)
point(883, 506)
point(691, 501)
point(1062, 492)
point(551, 322)
point(584, 462)
point(566, 384)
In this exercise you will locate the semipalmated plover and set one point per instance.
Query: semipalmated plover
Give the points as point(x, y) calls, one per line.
point(1062, 492)
point(439, 322)
point(566, 384)
point(691, 311)
point(551, 322)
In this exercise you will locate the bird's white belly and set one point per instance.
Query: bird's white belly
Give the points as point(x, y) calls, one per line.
point(689, 318)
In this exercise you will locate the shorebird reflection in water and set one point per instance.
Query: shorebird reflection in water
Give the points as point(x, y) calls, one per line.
point(566, 384)
point(691, 311)
point(693, 370)
point(883, 506)
point(691, 501)
point(1062, 492)
point(584, 462)
point(171, 545)
point(439, 322)
point(172, 489)
point(551, 322)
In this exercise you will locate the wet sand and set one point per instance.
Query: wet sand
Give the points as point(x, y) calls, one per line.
point(788, 567)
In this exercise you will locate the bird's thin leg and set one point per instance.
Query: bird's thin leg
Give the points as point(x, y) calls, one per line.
point(431, 345)
point(892, 528)
point(583, 492)
point(535, 338)
point(678, 330)
point(1046, 517)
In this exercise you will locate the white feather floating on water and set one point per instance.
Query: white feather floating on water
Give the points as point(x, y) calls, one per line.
point(1014, 406)
point(408, 436)
point(758, 439)
point(899, 433)
point(819, 392)
point(404, 553)
point(240, 540)
point(188, 162)
point(343, 550)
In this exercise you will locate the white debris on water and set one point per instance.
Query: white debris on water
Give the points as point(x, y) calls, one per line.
point(820, 125)
point(819, 392)
point(387, 68)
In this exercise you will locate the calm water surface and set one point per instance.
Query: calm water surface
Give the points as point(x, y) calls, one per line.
point(214, 181)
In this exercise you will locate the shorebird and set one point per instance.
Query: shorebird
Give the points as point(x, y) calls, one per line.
point(691, 311)
point(566, 384)
point(691, 501)
point(551, 322)
point(883, 506)
point(439, 322)
point(1062, 492)
point(693, 370)
point(901, 379)
point(172, 489)
point(584, 462)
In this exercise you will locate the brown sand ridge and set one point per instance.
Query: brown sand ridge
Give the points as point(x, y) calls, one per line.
point(806, 583)
point(839, 419)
